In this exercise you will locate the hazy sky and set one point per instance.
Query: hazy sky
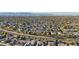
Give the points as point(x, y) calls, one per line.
point(39, 13)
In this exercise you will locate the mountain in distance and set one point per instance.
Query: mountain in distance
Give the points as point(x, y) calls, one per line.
point(39, 13)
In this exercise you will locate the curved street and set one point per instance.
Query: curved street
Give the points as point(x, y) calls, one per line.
point(24, 34)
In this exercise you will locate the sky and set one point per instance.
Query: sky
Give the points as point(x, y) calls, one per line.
point(39, 13)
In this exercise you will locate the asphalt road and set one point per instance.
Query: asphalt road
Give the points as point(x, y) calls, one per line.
point(24, 34)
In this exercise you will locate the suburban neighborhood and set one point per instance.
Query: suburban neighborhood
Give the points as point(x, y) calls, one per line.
point(39, 30)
